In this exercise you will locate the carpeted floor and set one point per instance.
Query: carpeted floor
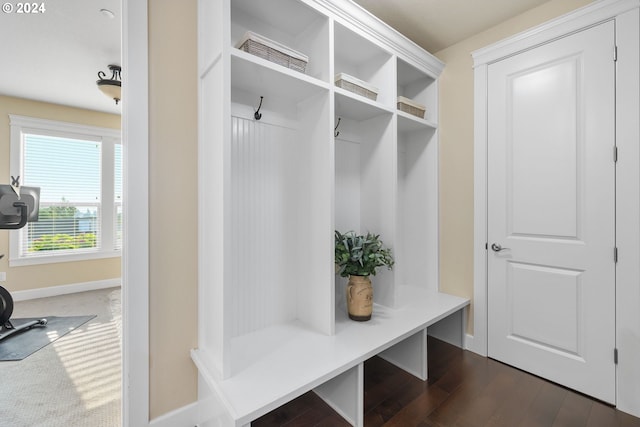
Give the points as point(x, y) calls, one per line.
point(76, 380)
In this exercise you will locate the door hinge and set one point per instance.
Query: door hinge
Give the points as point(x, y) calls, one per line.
point(615, 53)
point(615, 154)
point(615, 356)
point(615, 254)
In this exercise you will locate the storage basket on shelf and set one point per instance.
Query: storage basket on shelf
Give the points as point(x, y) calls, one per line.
point(350, 83)
point(409, 106)
point(273, 51)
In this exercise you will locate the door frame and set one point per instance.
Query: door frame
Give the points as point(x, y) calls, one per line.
point(626, 14)
point(135, 253)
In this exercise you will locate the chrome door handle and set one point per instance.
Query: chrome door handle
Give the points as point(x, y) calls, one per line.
point(497, 248)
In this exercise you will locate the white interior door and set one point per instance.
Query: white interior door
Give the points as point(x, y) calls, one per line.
point(551, 217)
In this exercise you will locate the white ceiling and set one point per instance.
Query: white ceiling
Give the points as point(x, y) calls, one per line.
point(55, 56)
point(437, 24)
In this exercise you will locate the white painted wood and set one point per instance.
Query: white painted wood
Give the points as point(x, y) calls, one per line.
point(480, 142)
point(314, 205)
point(71, 288)
point(347, 182)
point(287, 360)
point(451, 329)
point(135, 245)
point(212, 410)
point(419, 87)
point(416, 245)
point(552, 185)
point(360, 21)
point(410, 355)
point(366, 61)
point(272, 192)
point(213, 155)
point(345, 394)
point(188, 415)
point(288, 22)
point(628, 211)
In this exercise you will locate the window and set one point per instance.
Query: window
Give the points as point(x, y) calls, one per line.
point(78, 169)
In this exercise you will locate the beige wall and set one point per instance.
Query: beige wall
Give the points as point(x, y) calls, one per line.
point(173, 222)
point(456, 145)
point(46, 275)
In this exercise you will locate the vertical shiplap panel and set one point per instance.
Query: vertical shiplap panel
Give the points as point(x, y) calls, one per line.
point(261, 180)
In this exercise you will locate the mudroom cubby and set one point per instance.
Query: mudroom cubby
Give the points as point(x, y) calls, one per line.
point(290, 23)
point(285, 158)
point(420, 87)
point(357, 56)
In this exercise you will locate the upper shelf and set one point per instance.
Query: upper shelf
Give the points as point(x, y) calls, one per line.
point(366, 61)
point(261, 77)
point(419, 87)
point(357, 107)
point(410, 123)
point(288, 22)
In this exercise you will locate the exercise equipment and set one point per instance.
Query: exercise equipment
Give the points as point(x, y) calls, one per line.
point(18, 205)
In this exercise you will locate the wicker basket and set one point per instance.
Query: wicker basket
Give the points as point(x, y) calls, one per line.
point(409, 106)
point(272, 51)
point(350, 83)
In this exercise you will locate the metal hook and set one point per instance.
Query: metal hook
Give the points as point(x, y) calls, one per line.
point(257, 115)
point(335, 129)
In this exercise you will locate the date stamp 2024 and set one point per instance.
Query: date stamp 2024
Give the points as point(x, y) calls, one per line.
point(24, 8)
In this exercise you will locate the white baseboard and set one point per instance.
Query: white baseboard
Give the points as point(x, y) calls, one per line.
point(53, 291)
point(473, 345)
point(187, 416)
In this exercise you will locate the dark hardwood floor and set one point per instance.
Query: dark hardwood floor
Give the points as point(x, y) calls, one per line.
point(463, 390)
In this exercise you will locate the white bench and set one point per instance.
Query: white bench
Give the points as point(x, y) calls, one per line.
point(286, 361)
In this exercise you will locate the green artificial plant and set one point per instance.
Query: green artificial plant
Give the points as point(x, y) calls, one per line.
point(360, 255)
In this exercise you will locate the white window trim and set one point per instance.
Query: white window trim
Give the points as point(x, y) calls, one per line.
point(21, 125)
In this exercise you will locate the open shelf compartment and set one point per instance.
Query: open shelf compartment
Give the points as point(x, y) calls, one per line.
point(288, 22)
point(419, 87)
point(362, 59)
point(417, 209)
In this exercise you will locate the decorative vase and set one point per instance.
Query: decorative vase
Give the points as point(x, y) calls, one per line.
point(359, 298)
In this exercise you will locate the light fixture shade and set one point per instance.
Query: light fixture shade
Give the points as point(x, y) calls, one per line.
point(111, 87)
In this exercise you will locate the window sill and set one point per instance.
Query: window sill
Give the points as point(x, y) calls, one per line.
point(54, 259)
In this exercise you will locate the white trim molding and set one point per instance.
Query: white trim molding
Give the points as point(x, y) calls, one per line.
point(626, 14)
point(628, 211)
point(186, 416)
point(72, 288)
point(584, 17)
point(135, 245)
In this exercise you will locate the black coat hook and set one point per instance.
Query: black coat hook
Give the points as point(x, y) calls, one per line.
point(257, 115)
point(335, 129)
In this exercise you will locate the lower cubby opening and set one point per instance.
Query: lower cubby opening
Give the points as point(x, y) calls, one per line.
point(391, 395)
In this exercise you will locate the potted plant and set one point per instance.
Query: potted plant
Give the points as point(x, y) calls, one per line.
point(357, 257)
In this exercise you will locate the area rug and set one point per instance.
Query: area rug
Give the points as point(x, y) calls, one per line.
point(23, 344)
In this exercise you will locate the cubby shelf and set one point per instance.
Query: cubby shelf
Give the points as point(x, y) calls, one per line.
point(272, 190)
point(409, 123)
point(256, 75)
point(357, 107)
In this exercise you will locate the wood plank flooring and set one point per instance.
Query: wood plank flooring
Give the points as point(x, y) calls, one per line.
point(463, 390)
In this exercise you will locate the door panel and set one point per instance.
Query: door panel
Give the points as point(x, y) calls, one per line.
point(551, 184)
point(536, 130)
